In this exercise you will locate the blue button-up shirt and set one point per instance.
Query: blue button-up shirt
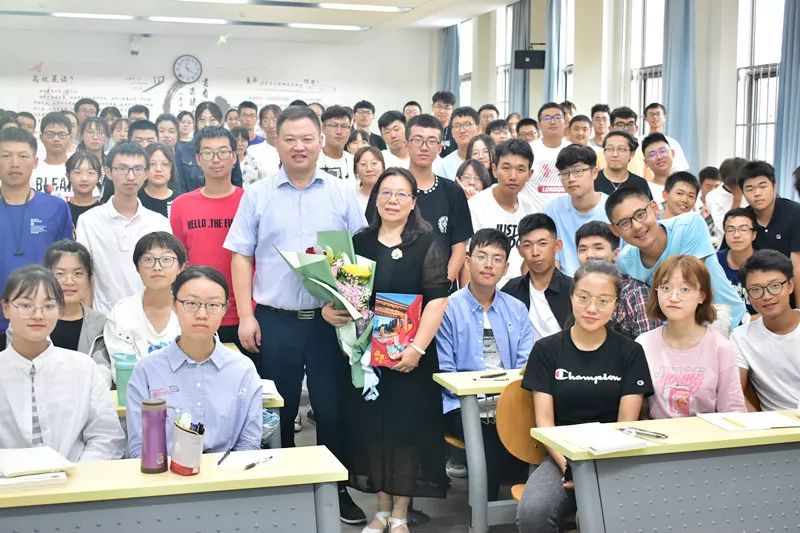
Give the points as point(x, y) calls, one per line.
point(223, 393)
point(459, 341)
point(273, 214)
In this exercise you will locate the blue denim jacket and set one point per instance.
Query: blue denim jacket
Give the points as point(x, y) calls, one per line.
point(459, 341)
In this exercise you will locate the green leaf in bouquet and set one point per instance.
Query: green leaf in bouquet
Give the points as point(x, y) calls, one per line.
point(340, 241)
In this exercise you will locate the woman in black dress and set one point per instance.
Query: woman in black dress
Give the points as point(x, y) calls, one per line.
point(397, 441)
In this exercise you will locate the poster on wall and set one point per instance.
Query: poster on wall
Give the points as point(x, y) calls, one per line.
point(47, 88)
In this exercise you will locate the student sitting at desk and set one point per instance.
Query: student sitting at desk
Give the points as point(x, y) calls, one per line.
point(767, 349)
point(146, 322)
point(51, 396)
point(587, 373)
point(693, 367)
point(484, 329)
point(196, 374)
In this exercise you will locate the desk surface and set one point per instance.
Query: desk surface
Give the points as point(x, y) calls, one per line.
point(690, 434)
point(268, 403)
point(114, 480)
point(469, 383)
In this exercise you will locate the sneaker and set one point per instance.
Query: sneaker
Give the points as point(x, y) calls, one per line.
point(310, 416)
point(298, 424)
point(349, 512)
point(455, 469)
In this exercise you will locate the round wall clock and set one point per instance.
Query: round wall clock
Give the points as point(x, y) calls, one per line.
point(187, 68)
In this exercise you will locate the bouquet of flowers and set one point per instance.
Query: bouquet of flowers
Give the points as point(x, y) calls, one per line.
point(331, 271)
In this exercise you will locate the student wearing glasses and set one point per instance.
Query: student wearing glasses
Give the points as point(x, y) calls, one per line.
point(197, 374)
point(658, 157)
point(619, 147)
point(334, 159)
point(586, 373)
point(625, 119)
point(740, 231)
point(51, 396)
point(693, 367)
point(49, 174)
point(111, 231)
point(633, 218)
point(767, 347)
point(545, 183)
point(145, 322)
point(464, 125)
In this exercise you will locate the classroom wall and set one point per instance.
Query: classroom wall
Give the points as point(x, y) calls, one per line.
point(385, 67)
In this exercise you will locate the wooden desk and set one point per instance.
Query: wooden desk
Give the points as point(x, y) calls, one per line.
point(116, 496)
point(468, 386)
point(701, 478)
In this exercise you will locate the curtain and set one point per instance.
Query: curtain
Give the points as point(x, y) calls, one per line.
point(519, 79)
point(787, 123)
point(678, 80)
point(552, 64)
point(449, 80)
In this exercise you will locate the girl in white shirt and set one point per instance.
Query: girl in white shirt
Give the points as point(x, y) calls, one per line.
point(145, 322)
point(51, 396)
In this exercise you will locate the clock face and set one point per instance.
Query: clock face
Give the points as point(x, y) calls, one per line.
point(187, 69)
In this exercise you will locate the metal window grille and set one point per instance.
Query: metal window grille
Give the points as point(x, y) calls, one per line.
point(646, 89)
point(756, 108)
point(567, 81)
point(503, 88)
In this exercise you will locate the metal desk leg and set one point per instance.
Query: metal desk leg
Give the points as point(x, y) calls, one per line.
point(476, 464)
point(326, 507)
point(587, 495)
point(275, 438)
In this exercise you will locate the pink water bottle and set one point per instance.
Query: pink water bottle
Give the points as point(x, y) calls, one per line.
point(154, 436)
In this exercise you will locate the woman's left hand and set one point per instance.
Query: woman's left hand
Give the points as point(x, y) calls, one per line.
point(409, 360)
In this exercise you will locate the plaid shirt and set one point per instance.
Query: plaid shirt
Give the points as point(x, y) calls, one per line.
point(630, 318)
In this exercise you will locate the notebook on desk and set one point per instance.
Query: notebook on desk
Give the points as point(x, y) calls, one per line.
point(600, 439)
point(760, 420)
point(268, 389)
point(16, 462)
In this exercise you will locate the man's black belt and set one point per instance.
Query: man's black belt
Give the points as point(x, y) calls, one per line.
point(302, 314)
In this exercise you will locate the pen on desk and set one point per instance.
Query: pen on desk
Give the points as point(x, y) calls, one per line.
point(256, 463)
point(734, 422)
point(225, 456)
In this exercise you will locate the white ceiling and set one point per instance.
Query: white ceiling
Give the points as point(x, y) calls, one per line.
point(33, 15)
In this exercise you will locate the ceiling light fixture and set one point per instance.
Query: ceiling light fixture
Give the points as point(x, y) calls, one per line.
point(363, 7)
point(187, 20)
point(99, 16)
point(312, 5)
point(309, 26)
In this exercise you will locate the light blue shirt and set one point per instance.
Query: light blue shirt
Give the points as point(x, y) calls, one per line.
point(223, 393)
point(568, 220)
point(459, 341)
point(687, 234)
point(273, 214)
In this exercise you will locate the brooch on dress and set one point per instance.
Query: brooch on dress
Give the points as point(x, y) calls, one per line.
point(397, 254)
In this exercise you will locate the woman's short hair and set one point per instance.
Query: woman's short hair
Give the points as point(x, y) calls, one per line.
point(694, 272)
point(167, 151)
point(478, 168)
point(59, 249)
point(605, 268)
point(24, 282)
point(372, 150)
point(77, 159)
point(199, 271)
point(161, 239)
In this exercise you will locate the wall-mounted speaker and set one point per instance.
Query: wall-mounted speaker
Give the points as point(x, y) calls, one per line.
point(529, 59)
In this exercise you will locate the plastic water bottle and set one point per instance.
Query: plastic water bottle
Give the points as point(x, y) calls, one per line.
point(154, 436)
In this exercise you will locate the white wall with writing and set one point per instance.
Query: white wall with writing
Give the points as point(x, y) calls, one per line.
point(50, 74)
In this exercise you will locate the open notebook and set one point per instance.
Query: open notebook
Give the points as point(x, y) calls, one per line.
point(751, 421)
point(26, 461)
point(599, 439)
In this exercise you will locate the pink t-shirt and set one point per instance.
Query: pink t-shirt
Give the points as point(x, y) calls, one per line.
point(703, 379)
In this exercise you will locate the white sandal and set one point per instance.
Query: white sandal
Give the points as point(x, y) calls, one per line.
point(383, 518)
point(397, 522)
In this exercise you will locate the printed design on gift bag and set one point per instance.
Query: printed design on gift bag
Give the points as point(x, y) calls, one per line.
point(394, 326)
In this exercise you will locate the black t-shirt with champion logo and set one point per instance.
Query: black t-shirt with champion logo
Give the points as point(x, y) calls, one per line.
point(587, 386)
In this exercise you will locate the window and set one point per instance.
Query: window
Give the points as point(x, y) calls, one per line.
point(647, 54)
point(503, 58)
point(465, 62)
point(566, 49)
point(759, 53)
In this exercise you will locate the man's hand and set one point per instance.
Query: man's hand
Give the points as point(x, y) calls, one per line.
point(333, 317)
point(250, 333)
point(409, 360)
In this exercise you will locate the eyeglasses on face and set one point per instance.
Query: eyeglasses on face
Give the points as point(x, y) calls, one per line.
point(25, 310)
point(53, 134)
point(148, 261)
point(577, 173)
point(756, 292)
point(222, 155)
point(402, 196)
point(419, 141)
point(123, 170)
point(583, 300)
point(640, 215)
point(682, 293)
point(730, 230)
point(213, 308)
point(482, 258)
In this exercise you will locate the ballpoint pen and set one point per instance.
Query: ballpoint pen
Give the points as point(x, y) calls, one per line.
point(225, 456)
point(256, 463)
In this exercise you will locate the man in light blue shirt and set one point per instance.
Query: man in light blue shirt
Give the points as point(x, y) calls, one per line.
point(651, 241)
point(287, 329)
point(484, 329)
point(223, 393)
point(577, 169)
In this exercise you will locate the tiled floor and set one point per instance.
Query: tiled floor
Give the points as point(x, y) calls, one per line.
point(447, 516)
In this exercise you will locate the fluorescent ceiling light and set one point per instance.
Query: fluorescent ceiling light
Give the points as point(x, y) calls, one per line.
point(93, 16)
point(187, 20)
point(312, 5)
point(364, 7)
point(340, 27)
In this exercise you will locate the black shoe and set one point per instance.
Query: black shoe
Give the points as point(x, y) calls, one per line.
point(349, 512)
point(417, 518)
point(310, 416)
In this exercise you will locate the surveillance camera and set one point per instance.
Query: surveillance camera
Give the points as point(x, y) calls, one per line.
point(135, 46)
